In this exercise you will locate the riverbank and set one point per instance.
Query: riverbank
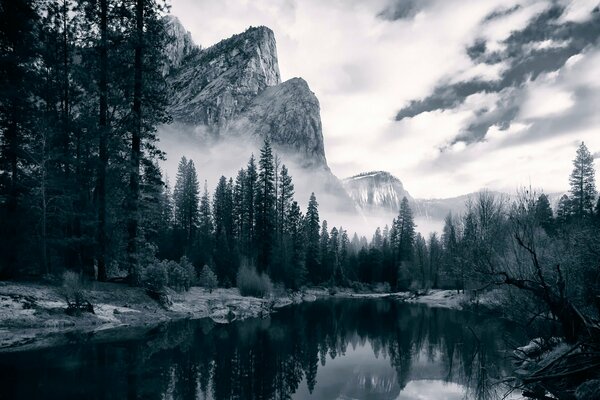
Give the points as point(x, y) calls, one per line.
point(32, 315)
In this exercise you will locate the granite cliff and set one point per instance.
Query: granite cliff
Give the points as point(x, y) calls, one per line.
point(232, 91)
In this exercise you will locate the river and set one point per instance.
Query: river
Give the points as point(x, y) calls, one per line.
point(326, 349)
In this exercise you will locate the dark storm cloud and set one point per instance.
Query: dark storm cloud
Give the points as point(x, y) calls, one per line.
point(403, 9)
point(502, 12)
point(525, 63)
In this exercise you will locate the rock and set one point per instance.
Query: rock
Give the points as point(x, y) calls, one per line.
point(233, 90)
point(289, 115)
point(179, 46)
point(213, 86)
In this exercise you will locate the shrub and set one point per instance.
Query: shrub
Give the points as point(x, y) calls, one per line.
point(181, 275)
point(166, 273)
point(207, 278)
point(382, 287)
point(155, 276)
point(74, 294)
point(251, 283)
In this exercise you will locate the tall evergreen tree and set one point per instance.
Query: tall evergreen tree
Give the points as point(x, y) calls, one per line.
point(405, 228)
point(583, 185)
point(251, 183)
point(285, 198)
point(239, 209)
point(186, 199)
point(265, 208)
point(311, 233)
point(204, 244)
point(148, 105)
point(563, 211)
point(543, 213)
point(325, 255)
point(17, 56)
point(294, 238)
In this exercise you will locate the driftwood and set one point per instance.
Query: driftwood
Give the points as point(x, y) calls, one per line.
point(563, 375)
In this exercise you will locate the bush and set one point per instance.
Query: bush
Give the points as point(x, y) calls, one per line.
point(161, 274)
point(251, 283)
point(181, 275)
point(74, 294)
point(155, 276)
point(382, 287)
point(207, 278)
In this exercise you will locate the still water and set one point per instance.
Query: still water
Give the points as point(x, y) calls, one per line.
point(327, 349)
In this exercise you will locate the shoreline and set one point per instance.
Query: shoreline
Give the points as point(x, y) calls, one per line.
point(32, 315)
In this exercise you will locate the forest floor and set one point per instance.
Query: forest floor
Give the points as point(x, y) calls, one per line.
point(32, 315)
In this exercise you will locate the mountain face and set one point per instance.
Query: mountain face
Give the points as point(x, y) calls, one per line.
point(233, 91)
point(213, 86)
point(181, 45)
point(289, 114)
point(375, 191)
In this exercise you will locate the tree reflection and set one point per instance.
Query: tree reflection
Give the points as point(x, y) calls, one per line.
point(271, 358)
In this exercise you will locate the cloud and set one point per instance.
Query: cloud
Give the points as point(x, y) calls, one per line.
point(538, 42)
point(443, 94)
point(403, 9)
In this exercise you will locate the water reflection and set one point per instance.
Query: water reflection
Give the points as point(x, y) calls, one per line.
point(349, 349)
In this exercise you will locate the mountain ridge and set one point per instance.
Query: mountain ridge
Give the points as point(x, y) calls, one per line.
point(232, 91)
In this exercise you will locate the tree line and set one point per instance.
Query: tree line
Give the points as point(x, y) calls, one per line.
point(82, 91)
point(81, 94)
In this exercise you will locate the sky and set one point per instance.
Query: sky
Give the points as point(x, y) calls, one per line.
point(449, 96)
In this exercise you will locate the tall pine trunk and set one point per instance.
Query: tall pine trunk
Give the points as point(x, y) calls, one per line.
point(103, 143)
point(136, 133)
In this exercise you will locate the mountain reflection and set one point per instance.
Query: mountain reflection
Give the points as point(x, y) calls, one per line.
point(342, 348)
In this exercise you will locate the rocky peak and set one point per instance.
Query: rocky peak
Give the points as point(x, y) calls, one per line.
point(289, 115)
point(233, 89)
point(376, 190)
point(216, 84)
point(179, 45)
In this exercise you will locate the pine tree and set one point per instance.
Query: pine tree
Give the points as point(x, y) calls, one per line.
point(435, 258)
point(265, 208)
point(148, 105)
point(225, 260)
point(205, 242)
point(334, 256)
point(543, 213)
point(405, 228)
point(311, 233)
point(563, 211)
point(17, 55)
point(325, 255)
point(403, 237)
point(239, 210)
point(453, 267)
point(583, 185)
point(285, 198)
point(296, 271)
point(185, 197)
point(421, 259)
point(248, 238)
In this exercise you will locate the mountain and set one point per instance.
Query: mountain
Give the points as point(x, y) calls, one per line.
point(232, 93)
point(377, 190)
point(181, 45)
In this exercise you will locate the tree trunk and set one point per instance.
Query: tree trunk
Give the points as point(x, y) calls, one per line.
point(136, 133)
point(102, 144)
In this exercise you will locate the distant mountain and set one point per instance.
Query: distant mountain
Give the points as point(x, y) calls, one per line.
point(379, 192)
point(232, 91)
point(376, 190)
